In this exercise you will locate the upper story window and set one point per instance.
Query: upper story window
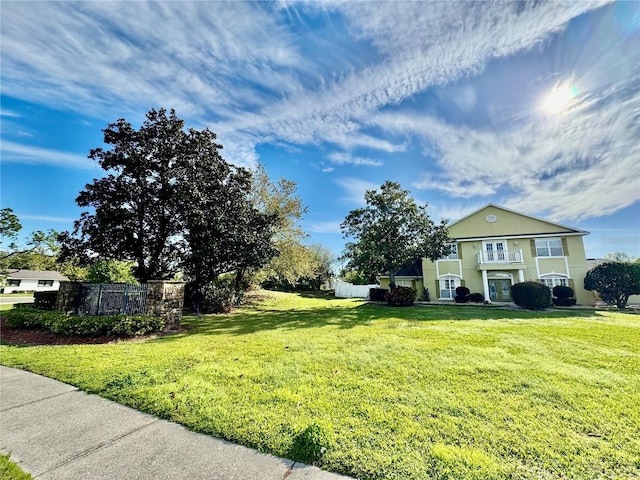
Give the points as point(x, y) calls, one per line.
point(45, 283)
point(454, 253)
point(549, 247)
point(13, 283)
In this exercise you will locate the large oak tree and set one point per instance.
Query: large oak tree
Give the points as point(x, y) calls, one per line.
point(169, 202)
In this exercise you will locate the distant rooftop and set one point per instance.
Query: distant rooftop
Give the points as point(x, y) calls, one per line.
point(35, 275)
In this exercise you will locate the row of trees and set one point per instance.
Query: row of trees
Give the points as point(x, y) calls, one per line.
point(169, 204)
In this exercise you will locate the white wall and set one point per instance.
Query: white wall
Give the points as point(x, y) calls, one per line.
point(31, 285)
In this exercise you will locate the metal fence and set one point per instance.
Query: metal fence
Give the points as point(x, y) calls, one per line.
point(112, 299)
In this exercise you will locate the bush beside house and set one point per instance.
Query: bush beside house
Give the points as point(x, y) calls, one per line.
point(531, 295)
point(401, 297)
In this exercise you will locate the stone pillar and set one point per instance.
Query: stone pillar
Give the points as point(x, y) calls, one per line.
point(68, 298)
point(165, 299)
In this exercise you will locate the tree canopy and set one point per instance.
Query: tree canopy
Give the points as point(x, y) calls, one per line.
point(169, 201)
point(615, 282)
point(390, 232)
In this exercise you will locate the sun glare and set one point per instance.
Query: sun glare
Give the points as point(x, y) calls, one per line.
point(560, 99)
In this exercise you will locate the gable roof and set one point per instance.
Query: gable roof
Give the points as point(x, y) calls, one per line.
point(507, 223)
point(35, 275)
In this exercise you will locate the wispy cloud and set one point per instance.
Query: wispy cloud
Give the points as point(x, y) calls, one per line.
point(341, 158)
point(323, 227)
point(46, 219)
point(355, 189)
point(241, 69)
point(18, 153)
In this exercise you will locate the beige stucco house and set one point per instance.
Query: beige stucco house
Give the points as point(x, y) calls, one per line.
point(495, 247)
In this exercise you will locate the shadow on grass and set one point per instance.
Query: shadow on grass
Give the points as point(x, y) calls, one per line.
point(344, 318)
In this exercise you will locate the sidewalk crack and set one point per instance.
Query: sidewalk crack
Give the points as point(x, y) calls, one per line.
point(97, 447)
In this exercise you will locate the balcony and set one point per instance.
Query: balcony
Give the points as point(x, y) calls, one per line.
point(488, 258)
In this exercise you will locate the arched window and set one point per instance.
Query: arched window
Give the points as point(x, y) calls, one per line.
point(554, 280)
point(448, 285)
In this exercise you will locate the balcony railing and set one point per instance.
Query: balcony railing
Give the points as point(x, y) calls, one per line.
point(499, 256)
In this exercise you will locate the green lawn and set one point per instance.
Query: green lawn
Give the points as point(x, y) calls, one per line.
point(444, 392)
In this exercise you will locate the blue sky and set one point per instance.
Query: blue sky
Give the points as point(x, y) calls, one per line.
point(534, 106)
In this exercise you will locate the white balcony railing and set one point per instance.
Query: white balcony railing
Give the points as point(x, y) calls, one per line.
point(499, 256)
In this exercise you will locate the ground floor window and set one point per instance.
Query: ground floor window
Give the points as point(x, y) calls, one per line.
point(554, 280)
point(13, 283)
point(45, 283)
point(448, 287)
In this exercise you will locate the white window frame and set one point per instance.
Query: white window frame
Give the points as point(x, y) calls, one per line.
point(554, 280)
point(13, 282)
point(452, 282)
point(454, 253)
point(545, 249)
point(45, 283)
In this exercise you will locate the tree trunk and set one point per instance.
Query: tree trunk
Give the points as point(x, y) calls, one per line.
point(392, 280)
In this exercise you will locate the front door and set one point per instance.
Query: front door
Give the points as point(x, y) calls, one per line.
point(500, 290)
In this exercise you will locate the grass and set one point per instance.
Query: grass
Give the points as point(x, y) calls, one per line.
point(10, 470)
point(432, 392)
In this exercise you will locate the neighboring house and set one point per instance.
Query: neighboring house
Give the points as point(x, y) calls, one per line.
point(495, 247)
point(32, 281)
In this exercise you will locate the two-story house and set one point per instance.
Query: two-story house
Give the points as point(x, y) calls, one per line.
point(495, 247)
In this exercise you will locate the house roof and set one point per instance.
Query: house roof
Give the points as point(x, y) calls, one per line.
point(562, 229)
point(35, 275)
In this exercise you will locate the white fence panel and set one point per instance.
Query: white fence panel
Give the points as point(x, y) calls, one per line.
point(349, 290)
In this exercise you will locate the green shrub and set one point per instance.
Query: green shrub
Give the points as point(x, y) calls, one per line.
point(378, 294)
point(89, 326)
point(31, 318)
point(74, 326)
point(462, 295)
point(476, 297)
point(560, 291)
point(401, 297)
point(562, 296)
point(139, 325)
point(45, 300)
point(531, 295)
point(216, 297)
point(310, 444)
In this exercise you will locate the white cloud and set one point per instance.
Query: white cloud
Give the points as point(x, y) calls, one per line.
point(239, 62)
point(17, 153)
point(47, 219)
point(240, 69)
point(323, 227)
point(341, 158)
point(581, 164)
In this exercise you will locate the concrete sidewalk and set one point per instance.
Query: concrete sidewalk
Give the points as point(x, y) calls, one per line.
point(54, 431)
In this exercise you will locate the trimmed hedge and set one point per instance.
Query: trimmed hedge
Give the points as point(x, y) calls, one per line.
point(476, 297)
point(563, 296)
point(462, 295)
point(531, 295)
point(68, 325)
point(401, 297)
point(378, 294)
point(45, 300)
